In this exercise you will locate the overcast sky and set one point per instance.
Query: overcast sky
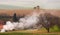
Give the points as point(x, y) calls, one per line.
point(47, 4)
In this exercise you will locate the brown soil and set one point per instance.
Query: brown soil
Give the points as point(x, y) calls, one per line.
point(27, 11)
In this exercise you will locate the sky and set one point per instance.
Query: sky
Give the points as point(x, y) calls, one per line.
point(46, 4)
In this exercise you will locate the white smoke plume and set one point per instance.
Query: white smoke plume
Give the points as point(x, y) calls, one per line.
point(8, 26)
point(27, 22)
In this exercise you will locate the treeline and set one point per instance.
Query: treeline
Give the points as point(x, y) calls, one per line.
point(7, 17)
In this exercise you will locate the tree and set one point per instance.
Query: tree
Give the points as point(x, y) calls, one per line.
point(15, 18)
point(46, 20)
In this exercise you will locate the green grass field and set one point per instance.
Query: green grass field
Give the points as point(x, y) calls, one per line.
point(43, 31)
point(18, 33)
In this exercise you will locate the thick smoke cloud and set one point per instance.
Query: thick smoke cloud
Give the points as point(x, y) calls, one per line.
point(27, 22)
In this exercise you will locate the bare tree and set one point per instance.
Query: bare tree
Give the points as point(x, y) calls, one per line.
point(47, 20)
